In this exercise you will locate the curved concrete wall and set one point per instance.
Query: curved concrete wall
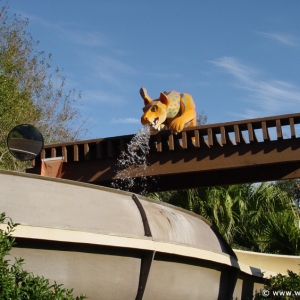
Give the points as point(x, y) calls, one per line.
point(270, 263)
point(112, 245)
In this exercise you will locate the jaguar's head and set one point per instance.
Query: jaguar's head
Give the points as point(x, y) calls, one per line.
point(155, 111)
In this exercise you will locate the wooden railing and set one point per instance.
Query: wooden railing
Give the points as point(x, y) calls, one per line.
point(250, 131)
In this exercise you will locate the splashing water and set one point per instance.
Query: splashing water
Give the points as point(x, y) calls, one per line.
point(133, 163)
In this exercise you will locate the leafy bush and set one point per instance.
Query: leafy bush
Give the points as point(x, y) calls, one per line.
point(16, 283)
point(280, 287)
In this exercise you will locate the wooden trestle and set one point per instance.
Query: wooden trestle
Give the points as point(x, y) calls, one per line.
point(244, 151)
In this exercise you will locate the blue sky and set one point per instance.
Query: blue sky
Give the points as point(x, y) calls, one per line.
point(238, 59)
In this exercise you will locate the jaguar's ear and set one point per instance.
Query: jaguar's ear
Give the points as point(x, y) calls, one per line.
point(163, 99)
point(145, 96)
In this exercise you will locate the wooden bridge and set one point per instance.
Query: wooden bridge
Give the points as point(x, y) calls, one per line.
point(245, 151)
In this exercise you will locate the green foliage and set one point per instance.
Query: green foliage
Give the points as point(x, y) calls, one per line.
point(16, 283)
point(280, 287)
point(256, 217)
point(30, 91)
point(291, 187)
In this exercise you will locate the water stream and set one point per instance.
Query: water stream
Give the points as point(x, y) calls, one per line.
point(134, 163)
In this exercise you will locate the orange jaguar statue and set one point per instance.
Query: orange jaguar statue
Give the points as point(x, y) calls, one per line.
point(172, 110)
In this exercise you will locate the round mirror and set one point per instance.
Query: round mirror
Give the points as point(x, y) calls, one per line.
point(25, 142)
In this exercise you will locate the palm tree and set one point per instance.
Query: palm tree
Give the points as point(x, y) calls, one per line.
point(281, 234)
point(258, 217)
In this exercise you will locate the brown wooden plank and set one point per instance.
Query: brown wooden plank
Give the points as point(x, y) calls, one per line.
point(86, 151)
point(223, 136)
point(237, 134)
point(43, 154)
point(64, 153)
point(251, 134)
point(53, 152)
point(159, 147)
point(210, 137)
point(265, 131)
point(184, 142)
point(76, 153)
point(239, 138)
point(197, 138)
point(292, 127)
point(279, 130)
point(171, 142)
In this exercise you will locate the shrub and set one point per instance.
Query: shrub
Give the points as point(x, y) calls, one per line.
point(16, 283)
point(280, 287)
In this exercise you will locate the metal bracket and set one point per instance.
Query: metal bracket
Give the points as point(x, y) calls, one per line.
point(143, 215)
point(146, 262)
point(147, 256)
